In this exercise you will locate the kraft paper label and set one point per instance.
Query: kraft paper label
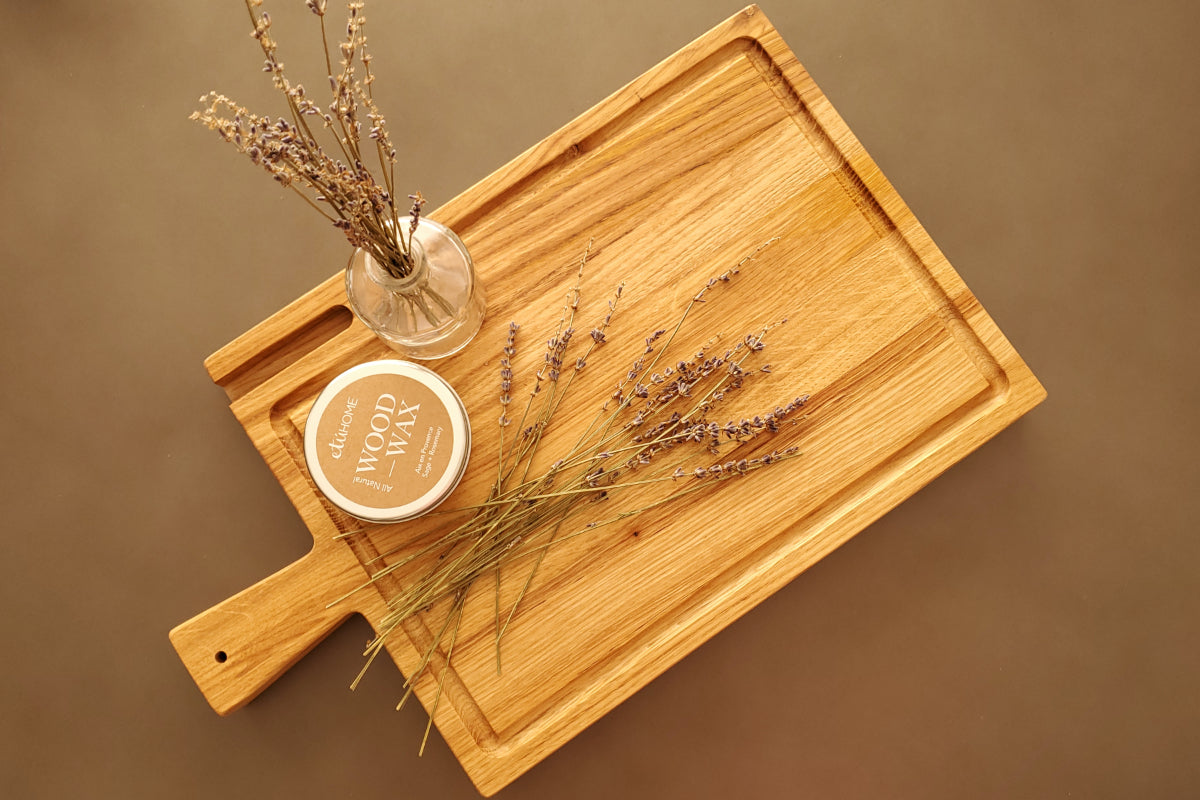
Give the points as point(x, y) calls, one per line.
point(384, 441)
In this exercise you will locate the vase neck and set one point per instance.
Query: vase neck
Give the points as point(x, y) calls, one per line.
point(418, 275)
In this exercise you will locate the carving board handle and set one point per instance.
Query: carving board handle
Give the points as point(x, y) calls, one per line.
point(239, 647)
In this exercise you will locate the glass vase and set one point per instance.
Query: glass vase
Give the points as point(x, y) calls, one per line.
point(432, 312)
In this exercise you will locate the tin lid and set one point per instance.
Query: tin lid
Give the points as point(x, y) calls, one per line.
point(387, 440)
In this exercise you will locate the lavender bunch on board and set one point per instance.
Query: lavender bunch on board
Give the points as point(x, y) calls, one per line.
point(658, 428)
point(336, 182)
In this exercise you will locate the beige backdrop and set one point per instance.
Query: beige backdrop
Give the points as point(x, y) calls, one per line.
point(1024, 627)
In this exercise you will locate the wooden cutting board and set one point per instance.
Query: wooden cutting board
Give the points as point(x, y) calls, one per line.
point(724, 146)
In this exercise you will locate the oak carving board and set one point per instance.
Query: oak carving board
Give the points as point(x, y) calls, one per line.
point(726, 145)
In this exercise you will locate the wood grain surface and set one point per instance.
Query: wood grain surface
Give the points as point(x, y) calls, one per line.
point(724, 146)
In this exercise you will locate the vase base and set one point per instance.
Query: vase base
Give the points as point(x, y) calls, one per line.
point(447, 344)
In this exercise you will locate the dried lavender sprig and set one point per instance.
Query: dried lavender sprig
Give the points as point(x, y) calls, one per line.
point(361, 208)
point(663, 436)
point(639, 368)
point(505, 398)
point(555, 351)
point(703, 403)
point(348, 92)
point(506, 375)
point(378, 133)
point(294, 95)
point(732, 378)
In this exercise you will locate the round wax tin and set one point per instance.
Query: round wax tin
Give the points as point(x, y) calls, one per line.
point(387, 440)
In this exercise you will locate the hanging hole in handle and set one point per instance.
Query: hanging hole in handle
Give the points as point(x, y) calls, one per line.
point(222, 656)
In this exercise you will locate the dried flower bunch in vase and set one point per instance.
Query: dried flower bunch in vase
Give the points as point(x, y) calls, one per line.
point(410, 279)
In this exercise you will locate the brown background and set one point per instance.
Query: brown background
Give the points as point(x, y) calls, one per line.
point(1024, 627)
